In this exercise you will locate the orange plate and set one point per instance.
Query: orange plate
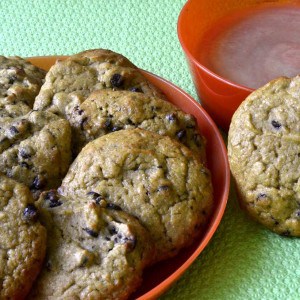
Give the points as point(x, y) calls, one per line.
point(219, 96)
point(158, 278)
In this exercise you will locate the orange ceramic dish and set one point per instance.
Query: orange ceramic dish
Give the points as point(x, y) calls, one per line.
point(158, 278)
point(219, 96)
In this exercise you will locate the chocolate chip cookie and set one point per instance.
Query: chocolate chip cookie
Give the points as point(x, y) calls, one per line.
point(264, 154)
point(68, 83)
point(106, 111)
point(22, 240)
point(20, 82)
point(35, 149)
point(94, 250)
point(153, 177)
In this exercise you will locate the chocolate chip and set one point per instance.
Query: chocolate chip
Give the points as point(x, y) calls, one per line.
point(276, 124)
point(91, 232)
point(129, 121)
point(163, 188)
point(117, 80)
point(24, 154)
point(30, 213)
point(108, 123)
point(113, 206)
point(53, 198)
point(82, 123)
point(24, 164)
point(135, 89)
point(13, 130)
point(78, 111)
point(95, 196)
point(171, 117)
point(130, 242)
point(261, 196)
point(12, 79)
point(112, 230)
point(38, 182)
point(181, 134)
point(20, 127)
point(115, 128)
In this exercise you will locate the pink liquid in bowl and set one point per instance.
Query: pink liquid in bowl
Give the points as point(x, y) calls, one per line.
point(254, 46)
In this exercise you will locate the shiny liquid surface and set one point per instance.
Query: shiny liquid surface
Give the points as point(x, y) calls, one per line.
point(252, 47)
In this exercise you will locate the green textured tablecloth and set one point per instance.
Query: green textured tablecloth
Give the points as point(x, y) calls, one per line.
point(243, 260)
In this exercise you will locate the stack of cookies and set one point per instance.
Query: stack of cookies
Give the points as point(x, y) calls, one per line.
point(96, 158)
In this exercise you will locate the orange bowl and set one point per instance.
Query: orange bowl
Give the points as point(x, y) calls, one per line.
point(159, 278)
point(219, 96)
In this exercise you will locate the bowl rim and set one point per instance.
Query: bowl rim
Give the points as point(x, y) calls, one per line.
point(165, 284)
point(191, 57)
